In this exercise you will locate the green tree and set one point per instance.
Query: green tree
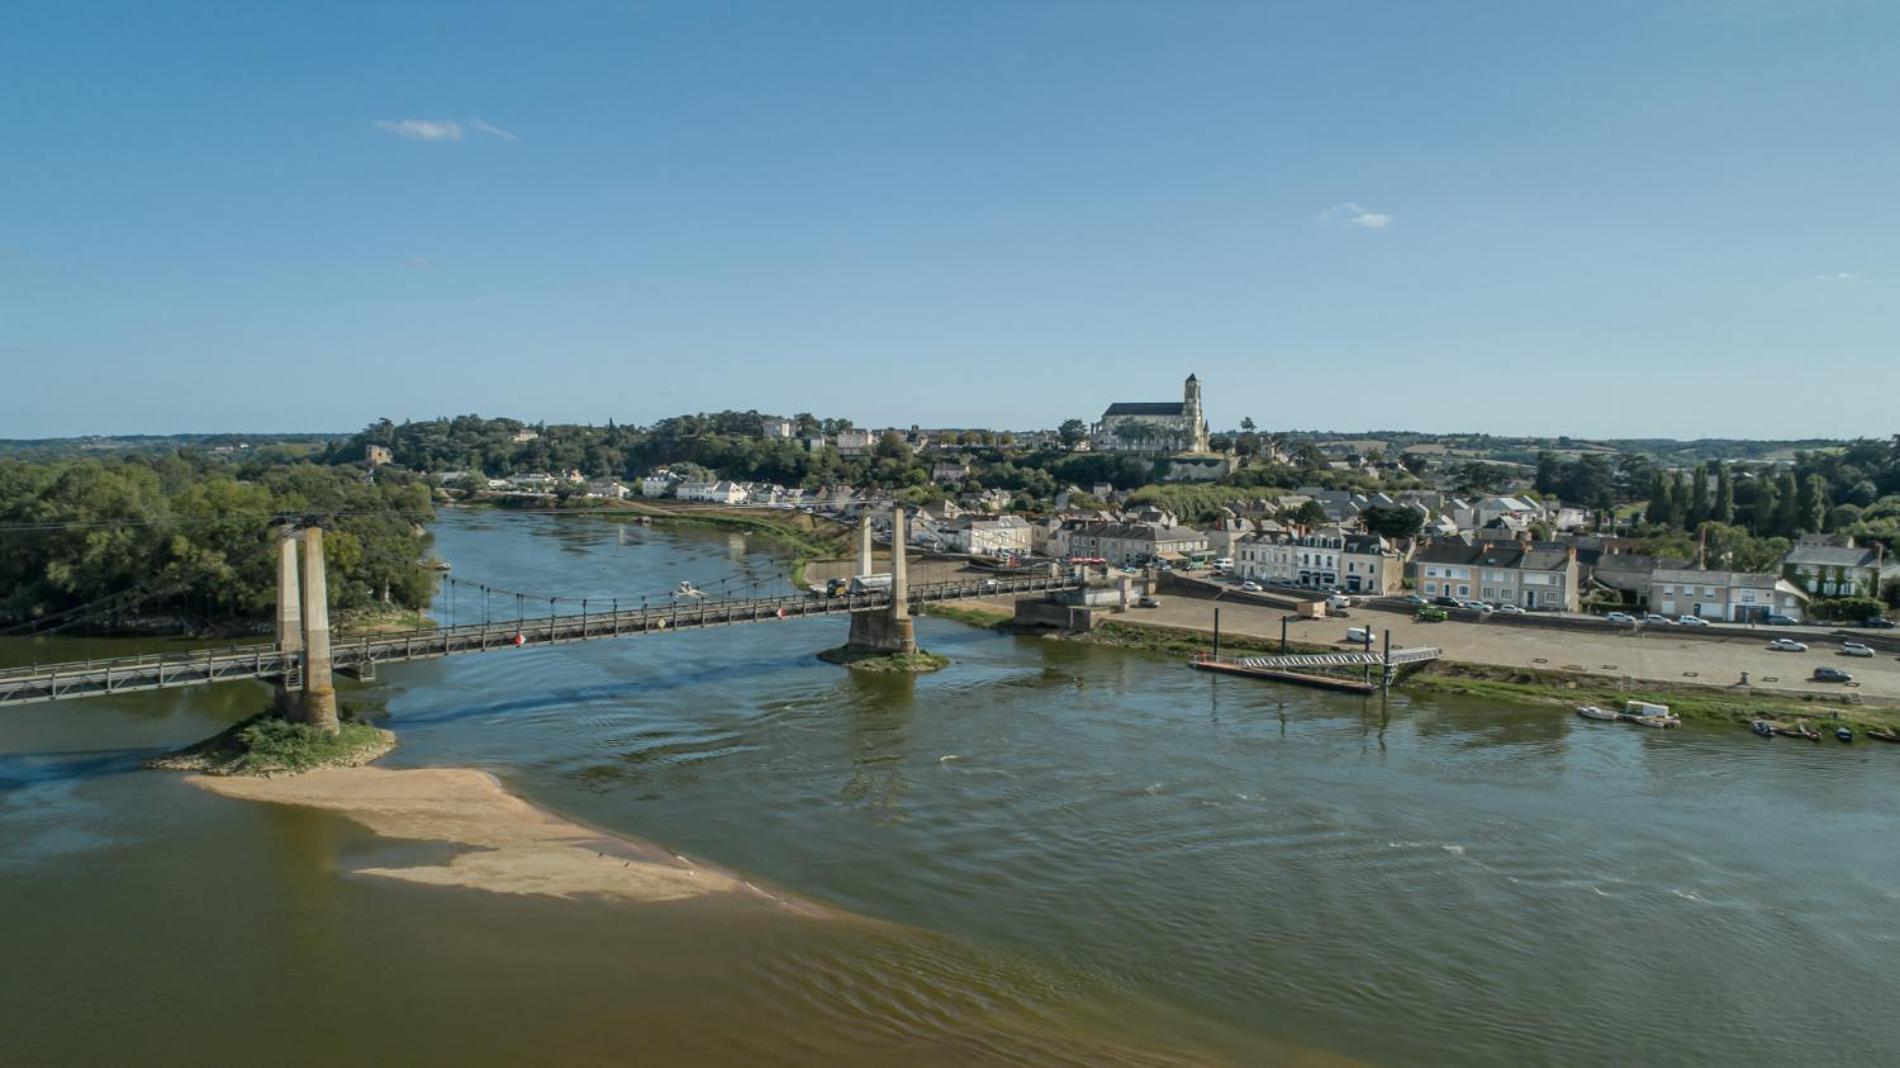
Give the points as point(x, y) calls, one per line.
point(1311, 514)
point(1398, 522)
point(1072, 432)
point(1724, 508)
point(1699, 497)
point(1787, 521)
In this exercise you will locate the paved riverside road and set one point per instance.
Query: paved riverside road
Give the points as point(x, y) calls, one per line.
point(1655, 656)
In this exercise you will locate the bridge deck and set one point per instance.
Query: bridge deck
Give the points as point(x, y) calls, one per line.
point(360, 655)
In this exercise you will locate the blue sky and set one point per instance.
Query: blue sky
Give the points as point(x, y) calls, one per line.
point(1611, 218)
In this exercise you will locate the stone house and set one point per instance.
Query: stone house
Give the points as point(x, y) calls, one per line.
point(1825, 569)
point(1724, 596)
point(1536, 575)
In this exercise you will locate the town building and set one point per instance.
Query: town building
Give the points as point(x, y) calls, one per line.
point(1002, 535)
point(1155, 426)
point(777, 429)
point(378, 455)
point(1836, 567)
point(1724, 596)
point(853, 442)
point(721, 492)
point(1537, 575)
point(1127, 544)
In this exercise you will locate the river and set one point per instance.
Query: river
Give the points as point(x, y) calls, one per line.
point(1061, 853)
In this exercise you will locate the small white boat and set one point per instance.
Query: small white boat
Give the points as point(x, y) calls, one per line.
point(1604, 714)
point(1650, 715)
point(687, 589)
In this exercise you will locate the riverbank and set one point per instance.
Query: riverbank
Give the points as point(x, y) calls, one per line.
point(506, 845)
point(1525, 685)
point(808, 536)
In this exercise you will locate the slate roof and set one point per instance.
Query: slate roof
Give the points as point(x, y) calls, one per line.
point(1830, 556)
point(1540, 556)
point(1145, 408)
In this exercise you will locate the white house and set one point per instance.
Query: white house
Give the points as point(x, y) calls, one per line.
point(721, 492)
point(998, 536)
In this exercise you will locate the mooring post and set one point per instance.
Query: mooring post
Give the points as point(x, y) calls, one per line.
point(1216, 632)
point(319, 694)
point(1385, 680)
point(1283, 635)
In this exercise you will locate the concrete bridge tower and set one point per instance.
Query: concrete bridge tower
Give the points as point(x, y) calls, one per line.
point(289, 632)
point(319, 696)
point(887, 630)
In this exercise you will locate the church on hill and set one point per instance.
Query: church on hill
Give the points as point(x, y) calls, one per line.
point(1155, 426)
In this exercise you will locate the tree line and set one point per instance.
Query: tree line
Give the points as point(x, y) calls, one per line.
point(190, 536)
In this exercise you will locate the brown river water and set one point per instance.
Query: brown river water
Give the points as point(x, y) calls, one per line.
point(1047, 853)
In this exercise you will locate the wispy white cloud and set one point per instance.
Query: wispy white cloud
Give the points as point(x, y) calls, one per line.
point(419, 263)
point(480, 126)
point(1835, 276)
point(1351, 214)
point(422, 129)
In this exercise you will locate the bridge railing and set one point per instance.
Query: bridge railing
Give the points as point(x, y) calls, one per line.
point(361, 652)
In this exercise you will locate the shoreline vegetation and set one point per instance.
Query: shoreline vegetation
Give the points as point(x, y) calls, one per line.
point(267, 744)
point(1704, 704)
point(920, 662)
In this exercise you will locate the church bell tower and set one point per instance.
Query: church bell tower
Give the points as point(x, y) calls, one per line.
point(1196, 417)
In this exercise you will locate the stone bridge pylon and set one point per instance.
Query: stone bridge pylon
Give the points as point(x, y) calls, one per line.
point(303, 627)
point(884, 630)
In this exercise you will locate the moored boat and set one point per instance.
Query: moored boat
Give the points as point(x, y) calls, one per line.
point(1844, 734)
point(1881, 734)
point(1799, 730)
point(1763, 728)
point(1650, 715)
point(1604, 714)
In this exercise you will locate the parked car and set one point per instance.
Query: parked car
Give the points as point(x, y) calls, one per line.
point(1415, 599)
point(1828, 674)
point(1148, 602)
point(1776, 619)
point(1652, 617)
point(1691, 621)
point(1787, 645)
point(1619, 617)
point(1878, 623)
point(1476, 606)
point(1447, 602)
point(1250, 586)
point(1510, 610)
point(1856, 649)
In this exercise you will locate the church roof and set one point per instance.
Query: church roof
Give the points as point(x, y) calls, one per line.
point(1145, 408)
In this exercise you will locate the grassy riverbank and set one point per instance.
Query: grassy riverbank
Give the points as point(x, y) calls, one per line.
point(1707, 704)
point(917, 663)
point(267, 745)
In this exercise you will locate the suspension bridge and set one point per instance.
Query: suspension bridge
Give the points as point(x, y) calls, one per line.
point(302, 656)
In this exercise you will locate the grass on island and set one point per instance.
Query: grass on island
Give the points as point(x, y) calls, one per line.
point(917, 663)
point(269, 744)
